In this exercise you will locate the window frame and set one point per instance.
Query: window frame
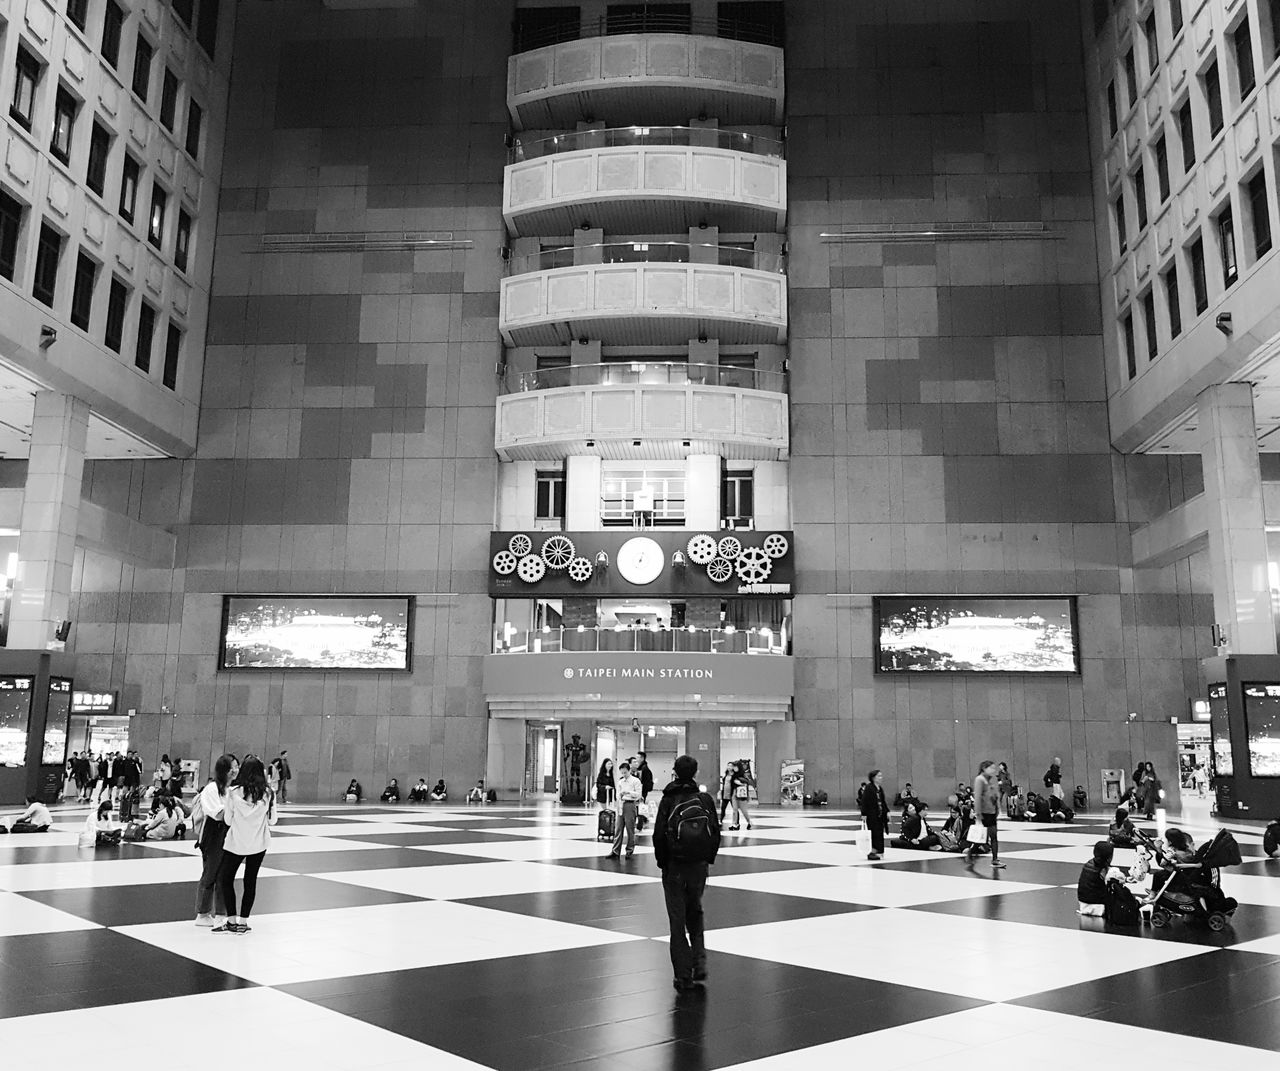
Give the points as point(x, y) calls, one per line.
point(1254, 195)
point(117, 313)
point(1211, 84)
point(550, 489)
point(1176, 21)
point(1173, 300)
point(130, 180)
point(194, 129)
point(78, 13)
point(1160, 156)
point(112, 33)
point(1151, 36)
point(1187, 136)
point(81, 293)
point(1120, 221)
point(1130, 343)
point(169, 89)
point(27, 72)
point(1113, 109)
point(1147, 302)
point(155, 226)
point(1129, 63)
point(172, 355)
point(1139, 179)
point(1199, 275)
point(1224, 224)
point(1242, 35)
point(62, 97)
point(144, 341)
point(44, 284)
point(97, 182)
point(11, 224)
point(182, 240)
point(142, 70)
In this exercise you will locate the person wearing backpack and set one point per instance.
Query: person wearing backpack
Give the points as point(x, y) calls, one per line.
point(1091, 889)
point(686, 838)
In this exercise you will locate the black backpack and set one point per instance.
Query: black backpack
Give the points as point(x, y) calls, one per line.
point(1271, 838)
point(1122, 906)
point(689, 826)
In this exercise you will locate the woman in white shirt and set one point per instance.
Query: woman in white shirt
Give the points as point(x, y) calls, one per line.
point(249, 809)
point(209, 838)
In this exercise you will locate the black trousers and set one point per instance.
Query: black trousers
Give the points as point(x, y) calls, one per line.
point(208, 893)
point(682, 887)
point(877, 837)
point(227, 881)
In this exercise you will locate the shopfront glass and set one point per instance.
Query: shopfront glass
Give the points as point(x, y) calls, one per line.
point(15, 713)
point(737, 743)
point(53, 752)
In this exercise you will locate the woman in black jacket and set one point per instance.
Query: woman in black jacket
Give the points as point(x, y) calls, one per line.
point(875, 809)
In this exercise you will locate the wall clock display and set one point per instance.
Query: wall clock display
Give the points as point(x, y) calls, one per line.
point(640, 560)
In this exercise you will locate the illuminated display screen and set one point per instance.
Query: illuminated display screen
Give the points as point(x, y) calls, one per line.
point(15, 712)
point(1262, 727)
point(369, 632)
point(1220, 731)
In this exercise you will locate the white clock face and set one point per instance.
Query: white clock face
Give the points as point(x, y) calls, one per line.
point(640, 560)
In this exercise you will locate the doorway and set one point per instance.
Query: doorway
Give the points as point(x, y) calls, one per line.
point(542, 760)
point(737, 743)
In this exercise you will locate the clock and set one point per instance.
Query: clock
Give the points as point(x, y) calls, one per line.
point(640, 560)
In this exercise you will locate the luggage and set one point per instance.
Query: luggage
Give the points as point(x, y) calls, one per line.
point(606, 824)
point(1122, 908)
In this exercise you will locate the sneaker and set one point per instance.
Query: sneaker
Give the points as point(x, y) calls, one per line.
point(614, 855)
point(733, 828)
point(226, 927)
point(630, 854)
point(204, 920)
point(748, 825)
point(243, 927)
point(996, 865)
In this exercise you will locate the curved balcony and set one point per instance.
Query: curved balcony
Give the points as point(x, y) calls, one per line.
point(647, 77)
point(687, 640)
point(644, 373)
point(644, 293)
point(636, 180)
point(623, 422)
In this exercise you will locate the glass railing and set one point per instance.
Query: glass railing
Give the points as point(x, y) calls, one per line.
point(630, 136)
point(641, 373)
point(569, 256)
point(548, 640)
point(763, 33)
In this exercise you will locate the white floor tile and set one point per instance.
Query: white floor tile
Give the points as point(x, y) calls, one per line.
point(801, 852)
point(352, 829)
point(531, 850)
point(100, 873)
point(871, 885)
point(18, 915)
point(469, 880)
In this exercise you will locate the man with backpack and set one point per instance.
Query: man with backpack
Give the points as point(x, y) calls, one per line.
point(686, 838)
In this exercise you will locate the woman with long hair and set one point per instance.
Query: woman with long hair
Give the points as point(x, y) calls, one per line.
point(209, 839)
point(250, 811)
point(1150, 790)
point(604, 783)
point(741, 785)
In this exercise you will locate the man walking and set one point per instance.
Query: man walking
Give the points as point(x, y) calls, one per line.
point(282, 765)
point(629, 793)
point(686, 838)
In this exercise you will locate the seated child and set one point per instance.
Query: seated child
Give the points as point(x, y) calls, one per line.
point(391, 794)
point(916, 832)
point(1091, 889)
point(476, 795)
point(164, 820)
point(438, 793)
point(35, 819)
point(1121, 832)
point(418, 794)
point(1038, 808)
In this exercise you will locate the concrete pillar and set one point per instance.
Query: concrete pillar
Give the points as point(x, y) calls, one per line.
point(50, 514)
point(504, 764)
point(584, 352)
point(1237, 526)
point(587, 245)
point(516, 495)
point(775, 741)
point(771, 496)
point(582, 493)
point(704, 245)
point(702, 492)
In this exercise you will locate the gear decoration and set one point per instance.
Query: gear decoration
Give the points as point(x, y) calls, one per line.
point(580, 569)
point(776, 545)
point(719, 569)
point(531, 568)
point(557, 551)
point(520, 544)
point(504, 563)
point(754, 566)
point(730, 547)
point(701, 548)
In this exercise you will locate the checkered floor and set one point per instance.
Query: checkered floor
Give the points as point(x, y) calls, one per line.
point(504, 938)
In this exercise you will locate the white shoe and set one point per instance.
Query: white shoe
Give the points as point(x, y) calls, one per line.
point(205, 921)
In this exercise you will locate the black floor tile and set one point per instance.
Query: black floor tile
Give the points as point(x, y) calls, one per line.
point(124, 905)
point(425, 839)
point(362, 859)
point(1032, 871)
point(724, 866)
point(1221, 996)
point(15, 853)
point(91, 968)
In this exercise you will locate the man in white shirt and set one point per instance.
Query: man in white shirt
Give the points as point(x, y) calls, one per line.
point(629, 792)
point(35, 819)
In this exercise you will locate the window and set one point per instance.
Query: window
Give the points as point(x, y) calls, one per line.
point(620, 484)
point(207, 26)
point(1199, 280)
point(549, 494)
point(535, 27)
point(1175, 17)
point(172, 351)
point(1213, 97)
point(112, 24)
point(648, 18)
point(1242, 46)
point(26, 77)
point(78, 12)
point(64, 120)
point(155, 221)
point(1122, 230)
point(168, 100)
point(99, 146)
point(184, 10)
point(1172, 301)
point(1269, 16)
point(1162, 169)
point(129, 188)
point(117, 305)
point(1113, 116)
point(1149, 323)
point(1131, 77)
point(1153, 42)
point(195, 116)
point(82, 293)
point(10, 231)
point(1130, 350)
point(146, 332)
point(1140, 196)
point(1186, 131)
point(1259, 213)
point(182, 246)
point(737, 496)
point(752, 20)
point(142, 68)
point(48, 252)
point(1227, 247)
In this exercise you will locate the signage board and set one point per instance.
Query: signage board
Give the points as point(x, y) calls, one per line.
point(93, 702)
point(599, 674)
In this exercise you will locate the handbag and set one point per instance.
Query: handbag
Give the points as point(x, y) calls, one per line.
point(862, 838)
point(979, 840)
point(740, 792)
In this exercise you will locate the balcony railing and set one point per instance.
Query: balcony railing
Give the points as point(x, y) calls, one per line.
point(761, 33)
point(643, 373)
point(549, 640)
point(570, 256)
point(633, 136)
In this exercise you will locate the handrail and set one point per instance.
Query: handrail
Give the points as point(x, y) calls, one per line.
point(761, 33)
point(627, 136)
point(569, 256)
point(548, 640)
point(643, 373)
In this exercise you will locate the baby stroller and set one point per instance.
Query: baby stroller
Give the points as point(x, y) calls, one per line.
point(1192, 889)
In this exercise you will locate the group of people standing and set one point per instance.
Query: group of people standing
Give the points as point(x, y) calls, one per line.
point(107, 774)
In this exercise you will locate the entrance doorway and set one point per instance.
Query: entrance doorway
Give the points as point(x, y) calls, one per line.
point(737, 743)
point(542, 760)
point(1193, 754)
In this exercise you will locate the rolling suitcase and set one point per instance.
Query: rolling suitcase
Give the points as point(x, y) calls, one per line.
point(606, 824)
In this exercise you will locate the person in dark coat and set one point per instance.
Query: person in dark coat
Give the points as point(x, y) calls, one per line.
point(875, 809)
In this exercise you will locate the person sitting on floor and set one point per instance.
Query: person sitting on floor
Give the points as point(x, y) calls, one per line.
point(391, 794)
point(1271, 839)
point(418, 794)
point(165, 817)
point(907, 795)
point(916, 832)
point(1122, 832)
point(476, 795)
point(1091, 889)
point(355, 792)
point(439, 793)
point(35, 819)
point(1038, 808)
